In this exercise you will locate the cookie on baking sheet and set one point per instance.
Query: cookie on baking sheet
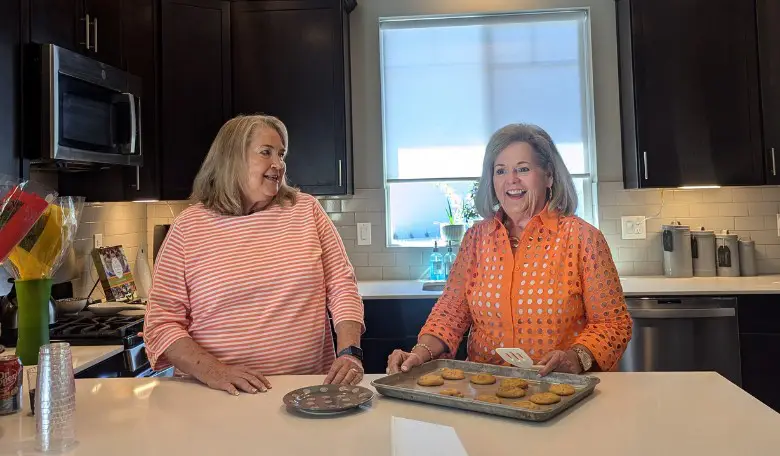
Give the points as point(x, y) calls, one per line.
point(489, 398)
point(451, 392)
point(545, 398)
point(483, 379)
point(510, 392)
point(452, 374)
point(562, 389)
point(430, 380)
point(528, 405)
point(513, 383)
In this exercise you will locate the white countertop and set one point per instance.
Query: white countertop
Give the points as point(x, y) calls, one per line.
point(629, 414)
point(632, 286)
point(85, 357)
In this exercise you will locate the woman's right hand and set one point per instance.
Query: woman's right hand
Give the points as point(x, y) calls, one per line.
point(234, 378)
point(401, 361)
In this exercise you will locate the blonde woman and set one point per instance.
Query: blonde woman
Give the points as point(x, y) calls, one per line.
point(247, 276)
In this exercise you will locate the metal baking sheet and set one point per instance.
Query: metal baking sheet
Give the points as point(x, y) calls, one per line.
point(404, 386)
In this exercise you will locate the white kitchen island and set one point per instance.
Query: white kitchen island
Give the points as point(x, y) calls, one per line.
point(629, 414)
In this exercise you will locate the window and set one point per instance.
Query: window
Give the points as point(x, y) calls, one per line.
point(449, 82)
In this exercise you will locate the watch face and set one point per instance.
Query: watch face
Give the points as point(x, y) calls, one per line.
point(357, 352)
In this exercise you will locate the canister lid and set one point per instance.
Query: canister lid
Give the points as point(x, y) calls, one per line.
point(701, 232)
point(675, 226)
point(726, 235)
point(747, 241)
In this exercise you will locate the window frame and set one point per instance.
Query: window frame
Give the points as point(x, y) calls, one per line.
point(590, 185)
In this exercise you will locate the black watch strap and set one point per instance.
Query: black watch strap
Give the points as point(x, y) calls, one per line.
point(352, 350)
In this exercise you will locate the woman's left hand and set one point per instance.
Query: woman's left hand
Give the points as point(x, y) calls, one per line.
point(346, 370)
point(560, 361)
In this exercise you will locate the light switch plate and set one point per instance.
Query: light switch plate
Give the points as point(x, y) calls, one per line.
point(98, 241)
point(364, 234)
point(633, 227)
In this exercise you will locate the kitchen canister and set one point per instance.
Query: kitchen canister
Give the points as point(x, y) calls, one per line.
point(727, 254)
point(678, 261)
point(747, 257)
point(703, 253)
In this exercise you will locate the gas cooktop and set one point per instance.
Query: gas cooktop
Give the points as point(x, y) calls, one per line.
point(98, 330)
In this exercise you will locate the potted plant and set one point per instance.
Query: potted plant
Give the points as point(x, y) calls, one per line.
point(455, 227)
point(470, 214)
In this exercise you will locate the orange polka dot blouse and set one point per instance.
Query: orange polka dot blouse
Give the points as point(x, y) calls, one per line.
point(560, 288)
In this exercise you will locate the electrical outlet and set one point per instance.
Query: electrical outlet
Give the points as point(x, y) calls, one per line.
point(364, 234)
point(97, 241)
point(633, 227)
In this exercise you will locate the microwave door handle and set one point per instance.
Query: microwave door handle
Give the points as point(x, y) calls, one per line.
point(133, 121)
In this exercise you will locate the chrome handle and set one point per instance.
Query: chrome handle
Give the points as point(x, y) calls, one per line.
point(683, 313)
point(94, 29)
point(645, 157)
point(339, 173)
point(133, 122)
point(86, 34)
point(774, 165)
point(138, 178)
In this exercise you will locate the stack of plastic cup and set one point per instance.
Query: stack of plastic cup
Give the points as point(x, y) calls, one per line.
point(55, 399)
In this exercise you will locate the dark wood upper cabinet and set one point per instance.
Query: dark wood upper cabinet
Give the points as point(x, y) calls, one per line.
point(768, 14)
point(106, 30)
point(690, 101)
point(10, 46)
point(57, 22)
point(139, 26)
point(195, 87)
point(291, 60)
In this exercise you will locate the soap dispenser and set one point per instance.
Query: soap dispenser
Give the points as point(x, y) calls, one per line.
point(449, 260)
point(436, 263)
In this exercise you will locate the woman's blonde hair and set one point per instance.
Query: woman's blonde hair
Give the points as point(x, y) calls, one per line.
point(562, 197)
point(218, 185)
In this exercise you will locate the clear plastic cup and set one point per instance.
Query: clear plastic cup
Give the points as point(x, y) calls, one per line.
point(55, 399)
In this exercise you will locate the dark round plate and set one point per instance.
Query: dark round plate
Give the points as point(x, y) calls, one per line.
point(327, 399)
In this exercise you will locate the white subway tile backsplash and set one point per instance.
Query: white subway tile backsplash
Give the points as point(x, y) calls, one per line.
point(732, 209)
point(381, 259)
point(610, 227)
point(625, 268)
point(687, 196)
point(358, 259)
point(368, 273)
point(717, 195)
point(374, 218)
point(765, 208)
point(348, 232)
point(396, 273)
point(749, 223)
point(747, 195)
point(331, 205)
point(648, 268)
point(361, 205)
point(342, 218)
point(705, 210)
point(632, 254)
point(770, 193)
point(631, 198)
point(676, 210)
point(410, 258)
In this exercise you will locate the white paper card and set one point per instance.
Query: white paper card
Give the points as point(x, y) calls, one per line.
point(413, 438)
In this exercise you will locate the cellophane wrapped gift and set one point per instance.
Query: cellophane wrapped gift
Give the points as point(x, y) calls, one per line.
point(21, 205)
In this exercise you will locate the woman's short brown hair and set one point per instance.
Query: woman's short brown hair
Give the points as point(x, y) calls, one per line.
point(219, 182)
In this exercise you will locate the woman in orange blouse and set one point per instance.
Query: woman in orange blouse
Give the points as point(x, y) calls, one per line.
point(532, 275)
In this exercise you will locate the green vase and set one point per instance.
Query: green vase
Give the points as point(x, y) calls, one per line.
point(32, 297)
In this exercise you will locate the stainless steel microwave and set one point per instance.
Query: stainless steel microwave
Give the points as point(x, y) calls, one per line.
point(80, 111)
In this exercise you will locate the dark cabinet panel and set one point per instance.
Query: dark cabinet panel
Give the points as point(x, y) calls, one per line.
point(140, 58)
point(689, 88)
point(760, 369)
point(58, 22)
point(106, 30)
point(304, 82)
point(195, 87)
point(768, 14)
point(9, 88)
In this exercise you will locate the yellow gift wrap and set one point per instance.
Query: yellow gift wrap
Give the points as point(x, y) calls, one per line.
point(39, 253)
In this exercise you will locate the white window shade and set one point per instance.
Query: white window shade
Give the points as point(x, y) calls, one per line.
point(449, 83)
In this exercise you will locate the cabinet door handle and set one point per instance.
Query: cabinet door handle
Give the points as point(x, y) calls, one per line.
point(774, 165)
point(138, 178)
point(94, 29)
point(339, 173)
point(86, 34)
point(644, 154)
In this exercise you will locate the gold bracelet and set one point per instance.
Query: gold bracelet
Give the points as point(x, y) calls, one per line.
point(430, 352)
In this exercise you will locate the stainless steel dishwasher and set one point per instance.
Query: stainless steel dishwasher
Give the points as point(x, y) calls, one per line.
point(684, 334)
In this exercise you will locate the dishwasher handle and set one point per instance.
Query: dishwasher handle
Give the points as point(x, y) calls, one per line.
point(713, 312)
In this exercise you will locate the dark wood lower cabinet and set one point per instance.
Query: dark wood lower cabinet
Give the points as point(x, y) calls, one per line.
point(761, 367)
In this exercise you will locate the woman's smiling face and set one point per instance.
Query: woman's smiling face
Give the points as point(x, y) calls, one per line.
point(519, 182)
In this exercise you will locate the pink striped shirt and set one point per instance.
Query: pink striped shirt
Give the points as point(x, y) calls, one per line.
point(253, 290)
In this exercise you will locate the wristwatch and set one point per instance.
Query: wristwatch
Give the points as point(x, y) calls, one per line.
point(585, 360)
point(352, 350)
